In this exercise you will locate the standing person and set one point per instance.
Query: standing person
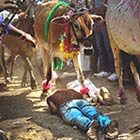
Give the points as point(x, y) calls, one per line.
point(105, 55)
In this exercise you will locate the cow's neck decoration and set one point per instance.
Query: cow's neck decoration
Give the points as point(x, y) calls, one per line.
point(65, 45)
point(67, 54)
point(51, 14)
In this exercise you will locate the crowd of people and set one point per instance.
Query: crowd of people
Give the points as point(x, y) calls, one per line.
point(105, 63)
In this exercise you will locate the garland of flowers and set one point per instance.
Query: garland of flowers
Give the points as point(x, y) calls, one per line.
point(66, 53)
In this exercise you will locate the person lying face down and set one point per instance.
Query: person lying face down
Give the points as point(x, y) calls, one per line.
point(73, 109)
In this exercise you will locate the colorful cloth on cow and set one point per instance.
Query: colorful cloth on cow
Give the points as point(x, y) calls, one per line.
point(81, 113)
point(58, 64)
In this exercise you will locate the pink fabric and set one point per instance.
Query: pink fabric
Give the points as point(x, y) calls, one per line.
point(46, 87)
point(84, 90)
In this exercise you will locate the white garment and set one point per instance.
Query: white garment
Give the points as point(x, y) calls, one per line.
point(113, 77)
point(5, 14)
point(102, 74)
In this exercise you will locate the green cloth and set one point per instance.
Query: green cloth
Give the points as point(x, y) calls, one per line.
point(51, 15)
point(57, 64)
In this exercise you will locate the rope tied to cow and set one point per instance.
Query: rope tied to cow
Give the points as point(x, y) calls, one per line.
point(51, 14)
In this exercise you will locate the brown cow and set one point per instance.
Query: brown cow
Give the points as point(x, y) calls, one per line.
point(22, 48)
point(80, 28)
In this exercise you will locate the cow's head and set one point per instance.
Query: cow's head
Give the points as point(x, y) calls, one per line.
point(81, 28)
point(78, 27)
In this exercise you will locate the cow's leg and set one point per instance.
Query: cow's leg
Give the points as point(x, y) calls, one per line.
point(24, 82)
point(79, 72)
point(118, 67)
point(136, 78)
point(47, 66)
point(29, 67)
point(12, 61)
point(2, 63)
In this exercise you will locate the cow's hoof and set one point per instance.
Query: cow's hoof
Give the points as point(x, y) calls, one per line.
point(123, 100)
point(138, 98)
point(138, 94)
point(34, 86)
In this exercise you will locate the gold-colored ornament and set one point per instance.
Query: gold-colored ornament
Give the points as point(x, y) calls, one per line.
point(66, 54)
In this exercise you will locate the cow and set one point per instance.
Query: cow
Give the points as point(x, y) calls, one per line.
point(78, 26)
point(23, 49)
point(123, 24)
point(20, 47)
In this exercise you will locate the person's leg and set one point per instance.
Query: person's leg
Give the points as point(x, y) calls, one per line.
point(111, 65)
point(100, 47)
point(71, 114)
point(101, 53)
point(74, 116)
point(90, 111)
point(108, 50)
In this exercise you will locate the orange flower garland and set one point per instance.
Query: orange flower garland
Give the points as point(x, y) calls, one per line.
point(67, 54)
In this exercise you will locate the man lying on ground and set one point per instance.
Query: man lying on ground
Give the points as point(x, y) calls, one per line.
point(73, 109)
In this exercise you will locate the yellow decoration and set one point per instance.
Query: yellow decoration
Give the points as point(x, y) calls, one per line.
point(66, 54)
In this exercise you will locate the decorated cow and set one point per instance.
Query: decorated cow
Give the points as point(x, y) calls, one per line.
point(123, 23)
point(60, 33)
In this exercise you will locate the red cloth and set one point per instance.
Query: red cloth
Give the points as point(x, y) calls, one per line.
point(84, 90)
point(46, 87)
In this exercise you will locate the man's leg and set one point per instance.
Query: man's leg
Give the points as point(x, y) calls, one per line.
point(75, 117)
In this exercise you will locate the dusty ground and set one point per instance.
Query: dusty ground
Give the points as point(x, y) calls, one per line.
point(25, 117)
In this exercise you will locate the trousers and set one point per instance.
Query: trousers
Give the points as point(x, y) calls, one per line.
point(81, 113)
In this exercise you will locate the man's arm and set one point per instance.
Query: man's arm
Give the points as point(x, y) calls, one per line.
point(7, 4)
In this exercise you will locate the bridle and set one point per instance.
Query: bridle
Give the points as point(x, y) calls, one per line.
point(79, 12)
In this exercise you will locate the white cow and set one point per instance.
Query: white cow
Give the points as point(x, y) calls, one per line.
point(123, 23)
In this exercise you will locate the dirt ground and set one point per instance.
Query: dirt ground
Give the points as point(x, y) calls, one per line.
point(24, 116)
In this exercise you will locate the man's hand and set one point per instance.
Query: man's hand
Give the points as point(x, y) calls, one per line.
point(27, 37)
point(6, 4)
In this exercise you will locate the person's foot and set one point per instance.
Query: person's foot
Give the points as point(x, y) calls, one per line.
point(92, 131)
point(112, 77)
point(102, 74)
point(3, 135)
point(112, 131)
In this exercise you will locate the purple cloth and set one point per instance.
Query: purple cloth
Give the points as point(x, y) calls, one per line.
point(9, 27)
